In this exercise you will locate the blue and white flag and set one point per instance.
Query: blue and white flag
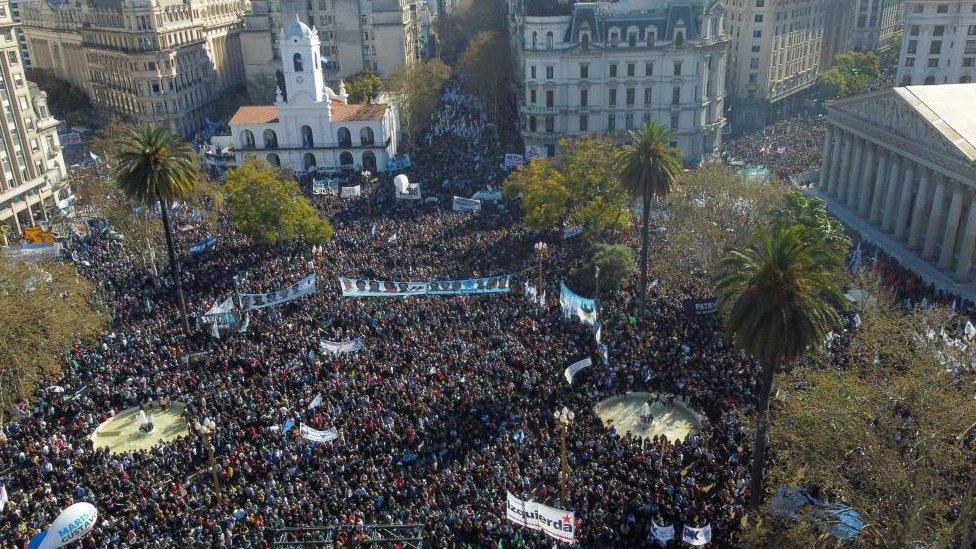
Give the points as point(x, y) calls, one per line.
point(663, 534)
point(303, 287)
point(316, 402)
point(3, 497)
point(314, 435)
point(604, 354)
point(203, 244)
point(359, 287)
point(289, 423)
point(577, 306)
point(697, 536)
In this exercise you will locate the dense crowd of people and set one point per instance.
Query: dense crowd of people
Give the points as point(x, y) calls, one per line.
point(788, 147)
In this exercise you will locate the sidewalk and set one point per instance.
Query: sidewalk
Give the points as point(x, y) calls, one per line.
point(924, 269)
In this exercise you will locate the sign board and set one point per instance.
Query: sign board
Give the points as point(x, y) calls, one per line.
point(70, 138)
point(699, 307)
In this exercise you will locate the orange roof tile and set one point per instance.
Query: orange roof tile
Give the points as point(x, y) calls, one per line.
point(255, 114)
point(342, 112)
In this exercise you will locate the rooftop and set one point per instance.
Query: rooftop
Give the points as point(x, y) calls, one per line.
point(950, 108)
point(341, 112)
point(255, 114)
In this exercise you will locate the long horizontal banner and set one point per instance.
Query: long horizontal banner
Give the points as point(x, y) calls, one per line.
point(461, 204)
point(342, 347)
point(301, 288)
point(575, 367)
point(699, 307)
point(359, 287)
point(314, 435)
point(555, 523)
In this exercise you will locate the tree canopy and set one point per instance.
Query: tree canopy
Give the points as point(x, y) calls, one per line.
point(270, 208)
point(363, 87)
point(415, 89)
point(850, 73)
point(485, 69)
point(579, 187)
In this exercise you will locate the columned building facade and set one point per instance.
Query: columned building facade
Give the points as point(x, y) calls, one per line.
point(905, 160)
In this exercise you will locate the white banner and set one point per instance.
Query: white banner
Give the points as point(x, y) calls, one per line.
point(555, 523)
point(303, 287)
point(314, 435)
point(571, 370)
point(316, 402)
point(534, 296)
point(349, 192)
point(462, 204)
point(513, 161)
point(358, 287)
point(577, 305)
point(663, 534)
point(697, 536)
point(342, 347)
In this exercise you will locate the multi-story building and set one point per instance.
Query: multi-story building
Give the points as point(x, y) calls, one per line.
point(33, 178)
point(355, 35)
point(940, 42)
point(21, 40)
point(877, 23)
point(838, 31)
point(607, 68)
point(155, 62)
point(776, 53)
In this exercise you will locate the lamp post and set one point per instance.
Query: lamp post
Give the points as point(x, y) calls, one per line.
point(596, 296)
point(564, 417)
point(206, 431)
point(540, 252)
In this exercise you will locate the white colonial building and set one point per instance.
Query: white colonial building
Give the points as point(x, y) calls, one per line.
point(939, 46)
point(900, 167)
point(310, 125)
point(606, 68)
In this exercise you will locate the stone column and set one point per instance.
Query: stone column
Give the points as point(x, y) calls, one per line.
point(935, 218)
point(891, 194)
point(877, 197)
point(920, 210)
point(866, 181)
point(826, 160)
point(905, 200)
point(845, 168)
point(838, 158)
point(854, 178)
point(965, 263)
point(951, 228)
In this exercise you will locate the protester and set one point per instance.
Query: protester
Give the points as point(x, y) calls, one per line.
point(788, 147)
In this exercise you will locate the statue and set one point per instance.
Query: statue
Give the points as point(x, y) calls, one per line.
point(644, 415)
point(145, 422)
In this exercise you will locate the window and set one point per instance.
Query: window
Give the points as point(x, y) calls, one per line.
point(933, 62)
point(585, 40)
point(753, 77)
point(613, 70)
point(760, 3)
point(308, 141)
point(612, 98)
point(679, 38)
point(912, 46)
point(675, 95)
point(584, 97)
point(919, 8)
point(584, 70)
point(929, 80)
point(366, 137)
point(935, 48)
point(345, 137)
point(630, 96)
point(270, 139)
point(674, 121)
point(629, 121)
point(532, 124)
point(550, 124)
point(550, 150)
point(550, 99)
point(297, 62)
point(613, 39)
point(909, 61)
point(535, 40)
point(549, 40)
point(971, 31)
point(532, 72)
point(677, 68)
point(967, 61)
point(942, 8)
point(938, 30)
point(12, 57)
point(758, 18)
point(611, 122)
point(757, 34)
point(754, 63)
point(345, 158)
point(647, 95)
point(550, 71)
point(755, 49)
point(970, 47)
point(913, 30)
point(584, 123)
point(632, 39)
point(532, 97)
point(630, 69)
point(648, 69)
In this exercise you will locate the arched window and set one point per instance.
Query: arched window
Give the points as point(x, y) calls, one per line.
point(535, 40)
point(369, 161)
point(549, 40)
point(585, 40)
point(247, 139)
point(345, 138)
point(274, 160)
point(679, 38)
point(308, 160)
point(632, 39)
point(297, 62)
point(345, 159)
point(651, 35)
point(366, 138)
point(965, 79)
point(270, 139)
point(308, 141)
point(929, 80)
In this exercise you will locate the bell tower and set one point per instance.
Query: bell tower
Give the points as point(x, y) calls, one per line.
point(301, 64)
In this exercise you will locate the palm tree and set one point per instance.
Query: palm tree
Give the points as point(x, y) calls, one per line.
point(778, 295)
point(650, 165)
point(154, 166)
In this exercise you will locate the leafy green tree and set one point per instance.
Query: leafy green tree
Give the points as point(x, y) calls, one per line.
point(363, 87)
point(850, 73)
point(811, 213)
point(108, 140)
point(778, 295)
point(579, 186)
point(269, 207)
point(650, 166)
point(485, 69)
point(155, 167)
point(467, 19)
point(616, 263)
point(416, 91)
point(45, 308)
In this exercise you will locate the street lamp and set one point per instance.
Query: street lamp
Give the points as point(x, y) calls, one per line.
point(596, 296)
point(564, 417)
point(206, 431)
point(540, 251)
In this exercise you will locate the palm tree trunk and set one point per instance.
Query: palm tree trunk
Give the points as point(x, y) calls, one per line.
point(174, 264)
point(645, 235)
point(759, 446)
